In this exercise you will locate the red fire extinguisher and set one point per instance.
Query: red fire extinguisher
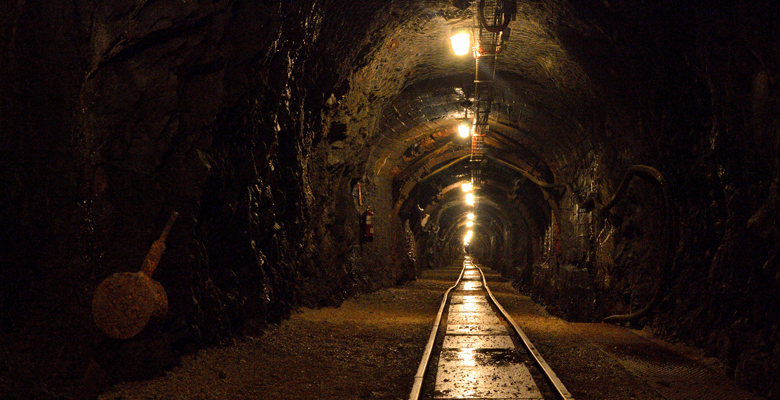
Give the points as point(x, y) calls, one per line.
point(368, 226)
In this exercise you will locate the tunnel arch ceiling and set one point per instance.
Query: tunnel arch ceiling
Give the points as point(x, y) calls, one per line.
point(542, 117)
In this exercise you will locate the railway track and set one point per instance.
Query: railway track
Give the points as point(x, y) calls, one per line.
point(476, 351)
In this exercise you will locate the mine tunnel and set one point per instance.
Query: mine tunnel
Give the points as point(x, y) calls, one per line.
point(621, 156)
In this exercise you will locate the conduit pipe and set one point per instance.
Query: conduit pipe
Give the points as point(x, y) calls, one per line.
point(652, 175)
point(442, 168)
point(536, 181)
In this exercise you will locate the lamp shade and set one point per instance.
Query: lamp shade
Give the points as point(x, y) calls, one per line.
point(464, 130)
point(461, 41)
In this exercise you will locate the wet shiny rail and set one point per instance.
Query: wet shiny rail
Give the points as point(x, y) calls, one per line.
point(475, 350)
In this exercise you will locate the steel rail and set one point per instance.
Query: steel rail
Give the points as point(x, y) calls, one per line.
point(426, 358)
point(549, 374)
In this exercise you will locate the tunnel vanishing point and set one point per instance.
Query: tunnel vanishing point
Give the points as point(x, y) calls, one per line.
point(629, 173)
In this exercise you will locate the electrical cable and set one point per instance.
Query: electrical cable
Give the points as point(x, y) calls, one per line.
point(483, 21)
point(669, 231)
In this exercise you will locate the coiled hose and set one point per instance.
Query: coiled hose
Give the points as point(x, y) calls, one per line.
point(652, 175)
point(490, 28)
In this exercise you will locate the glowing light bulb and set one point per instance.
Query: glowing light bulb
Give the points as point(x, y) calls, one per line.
point(464, 130)
point(470, 216)
point(461, 43)
point(469, 223)
point(466, 187)
point(470, 199)
point(467, 237)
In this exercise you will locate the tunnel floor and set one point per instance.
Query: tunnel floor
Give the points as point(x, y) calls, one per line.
point(369, 348)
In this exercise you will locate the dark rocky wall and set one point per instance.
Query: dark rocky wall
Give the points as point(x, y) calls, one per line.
point(700, 102)
point(118, 114)
point(734, 311)
point(41, 262)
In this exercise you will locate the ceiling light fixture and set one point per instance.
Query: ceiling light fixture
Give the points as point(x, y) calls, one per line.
point(470, 199)
point(467, 237)
point(466, 187)
point(461, 41)
point(464, 130)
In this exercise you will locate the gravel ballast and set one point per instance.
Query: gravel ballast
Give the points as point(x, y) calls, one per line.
point(370, 347)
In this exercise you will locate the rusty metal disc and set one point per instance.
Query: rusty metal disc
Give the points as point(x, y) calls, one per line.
point(160, 300)
point(124, 302)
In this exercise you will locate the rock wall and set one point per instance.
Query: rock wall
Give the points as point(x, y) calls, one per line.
point(725, 296)
point(706, 117)
point(231, 113)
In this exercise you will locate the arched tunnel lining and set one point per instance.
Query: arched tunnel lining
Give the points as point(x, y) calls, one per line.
point(443, 157)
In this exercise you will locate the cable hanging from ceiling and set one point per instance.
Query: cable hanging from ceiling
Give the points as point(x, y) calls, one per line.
point(488, 37)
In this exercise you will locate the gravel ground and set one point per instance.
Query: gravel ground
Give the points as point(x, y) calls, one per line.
point(369, 348)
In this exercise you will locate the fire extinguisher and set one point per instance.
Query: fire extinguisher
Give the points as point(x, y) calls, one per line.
point(368, 226)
